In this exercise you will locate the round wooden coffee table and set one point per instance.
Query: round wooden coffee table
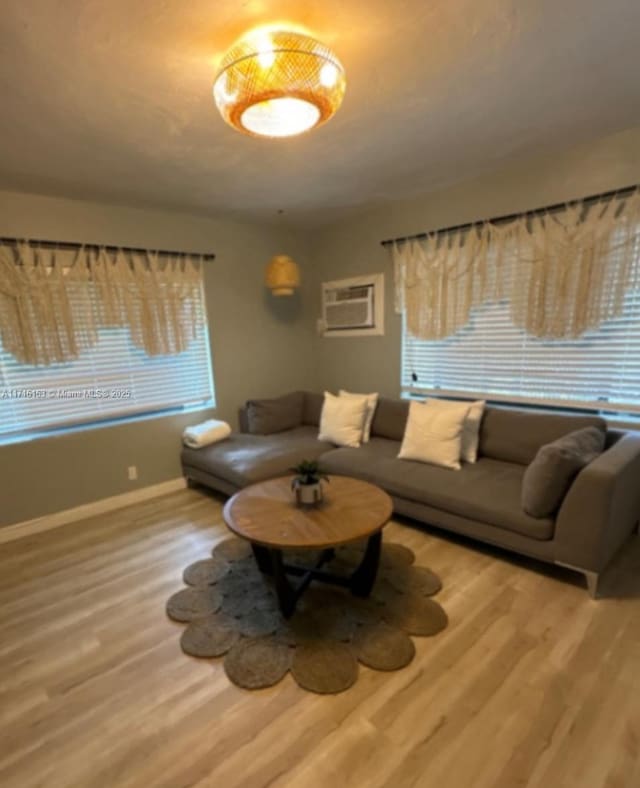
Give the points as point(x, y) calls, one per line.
point(266, 514)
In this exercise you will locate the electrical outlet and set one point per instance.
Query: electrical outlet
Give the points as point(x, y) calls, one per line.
point(133, 473)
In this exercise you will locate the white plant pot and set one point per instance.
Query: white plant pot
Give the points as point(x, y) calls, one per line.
point(309, 494)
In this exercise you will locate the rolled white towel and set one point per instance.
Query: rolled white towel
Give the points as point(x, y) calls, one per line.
point(204, 434)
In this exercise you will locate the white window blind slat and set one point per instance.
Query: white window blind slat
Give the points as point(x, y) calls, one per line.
point(491, 358)
point(112, 380)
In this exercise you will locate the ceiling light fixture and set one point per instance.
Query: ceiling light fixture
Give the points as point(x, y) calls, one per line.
point(278, 84)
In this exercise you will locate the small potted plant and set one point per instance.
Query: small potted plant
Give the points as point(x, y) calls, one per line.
point(306, 483)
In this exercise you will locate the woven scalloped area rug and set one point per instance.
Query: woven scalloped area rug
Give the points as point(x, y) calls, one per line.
point(231, 612)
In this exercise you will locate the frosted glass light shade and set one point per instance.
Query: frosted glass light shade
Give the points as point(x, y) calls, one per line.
point(278, 84)
point(280, 117)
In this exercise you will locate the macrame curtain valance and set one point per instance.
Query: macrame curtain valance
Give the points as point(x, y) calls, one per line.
point(52, 307)
point(563, 272)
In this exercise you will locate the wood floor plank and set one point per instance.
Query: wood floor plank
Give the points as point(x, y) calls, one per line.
point(532, 684)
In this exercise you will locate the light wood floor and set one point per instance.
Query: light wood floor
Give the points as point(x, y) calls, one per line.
point(532, 684)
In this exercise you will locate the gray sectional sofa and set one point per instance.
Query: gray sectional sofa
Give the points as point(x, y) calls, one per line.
point(482, 500)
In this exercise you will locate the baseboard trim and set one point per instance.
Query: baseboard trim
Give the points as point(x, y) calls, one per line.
point(48, 521)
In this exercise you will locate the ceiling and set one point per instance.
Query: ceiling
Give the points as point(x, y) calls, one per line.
point(112, 100)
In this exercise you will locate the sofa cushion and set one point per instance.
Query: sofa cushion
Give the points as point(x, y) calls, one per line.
point(517, 435)
point(487, 491)
point(547, 480)
point(434, 432)
point(244, 459)
point(268, 416)
point(372, 401)
point(342, 420)
point(390, 418)
point(471, 431)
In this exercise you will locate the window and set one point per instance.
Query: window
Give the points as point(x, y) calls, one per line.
point(112, 381)
point(491, 358)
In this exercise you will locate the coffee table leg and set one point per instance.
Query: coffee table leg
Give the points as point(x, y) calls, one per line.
point(286, 595)
point(263, 559)
point(364, 577)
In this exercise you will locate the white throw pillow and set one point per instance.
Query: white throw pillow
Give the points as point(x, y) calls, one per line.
point(434, 432)
point(341, 420)
point(371, 401)
point(471, 432)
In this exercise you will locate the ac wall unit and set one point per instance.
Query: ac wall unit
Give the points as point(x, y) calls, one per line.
point(353, 307)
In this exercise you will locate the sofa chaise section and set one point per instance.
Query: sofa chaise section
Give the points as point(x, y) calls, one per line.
point(244, 459)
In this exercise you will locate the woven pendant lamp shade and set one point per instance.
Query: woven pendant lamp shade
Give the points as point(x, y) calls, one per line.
point(282, 276)
point(277, 84)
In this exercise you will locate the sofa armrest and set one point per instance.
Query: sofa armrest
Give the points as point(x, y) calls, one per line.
point(601, 508)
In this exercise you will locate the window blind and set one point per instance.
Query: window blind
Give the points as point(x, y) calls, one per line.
point(491, 358)
point(111, 381)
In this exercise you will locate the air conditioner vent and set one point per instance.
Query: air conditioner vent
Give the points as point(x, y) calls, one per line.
point(353, 306)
